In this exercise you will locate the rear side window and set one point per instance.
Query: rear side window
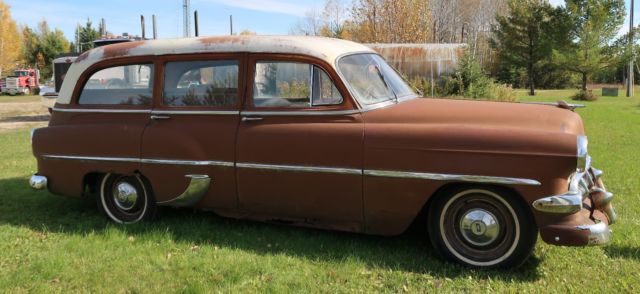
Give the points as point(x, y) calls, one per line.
point(119, 85)
point(201, 83)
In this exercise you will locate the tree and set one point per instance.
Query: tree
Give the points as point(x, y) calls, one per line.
point(524, 37)
point(86, 35)
point(9, 40)
point(310, 25)
point(594, 24)
point(388, 21)
point(42, 46)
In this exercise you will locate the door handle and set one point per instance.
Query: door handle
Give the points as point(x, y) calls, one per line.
point(160, 117)
point(248, 119)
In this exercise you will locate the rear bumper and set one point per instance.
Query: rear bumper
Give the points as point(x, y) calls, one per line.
point(582, 215)
point(38, 182)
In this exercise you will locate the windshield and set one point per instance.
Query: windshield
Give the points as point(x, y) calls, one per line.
point(372, 80)
point(20, 73)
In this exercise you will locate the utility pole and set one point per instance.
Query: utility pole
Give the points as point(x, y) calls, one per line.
point(186, 17)
point(630, 77)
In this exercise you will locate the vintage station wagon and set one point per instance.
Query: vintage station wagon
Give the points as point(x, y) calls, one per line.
point(321, 133)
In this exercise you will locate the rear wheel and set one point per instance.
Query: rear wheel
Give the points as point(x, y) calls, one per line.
point(125, 199)
point(482, 227)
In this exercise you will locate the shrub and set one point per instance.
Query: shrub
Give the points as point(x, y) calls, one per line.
point(506, 93)
point(585, 96)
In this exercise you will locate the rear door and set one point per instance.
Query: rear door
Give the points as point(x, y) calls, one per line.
point(192, 132)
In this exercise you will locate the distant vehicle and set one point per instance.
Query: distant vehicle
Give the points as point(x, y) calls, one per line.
point(23, 81)
point(62, 64)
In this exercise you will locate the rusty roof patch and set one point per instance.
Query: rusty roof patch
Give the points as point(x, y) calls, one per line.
point(120, 49)
point(82, 57)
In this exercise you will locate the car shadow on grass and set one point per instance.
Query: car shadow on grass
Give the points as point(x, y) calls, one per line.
point(622, 251)
point(411, 252)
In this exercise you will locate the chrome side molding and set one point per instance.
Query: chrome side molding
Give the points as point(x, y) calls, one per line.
point(300, 168)
point(143, 160)
point(450, 177)
point(315, 169)
point(198, 187)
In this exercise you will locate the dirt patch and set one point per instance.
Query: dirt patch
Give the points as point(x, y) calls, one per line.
point(16, 115)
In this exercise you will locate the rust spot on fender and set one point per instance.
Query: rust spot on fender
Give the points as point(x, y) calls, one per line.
point(120, 49)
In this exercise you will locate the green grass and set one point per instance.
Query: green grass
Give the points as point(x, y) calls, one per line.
point(54, 244)
point(19, 98)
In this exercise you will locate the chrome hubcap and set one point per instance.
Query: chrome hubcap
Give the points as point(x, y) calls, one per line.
point(125, 196)
point(479, 227)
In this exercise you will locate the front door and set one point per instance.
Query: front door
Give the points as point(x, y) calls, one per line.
point(299, 150)
point(188, 148)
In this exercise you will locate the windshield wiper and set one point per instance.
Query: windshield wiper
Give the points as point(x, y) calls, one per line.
point(384, 81)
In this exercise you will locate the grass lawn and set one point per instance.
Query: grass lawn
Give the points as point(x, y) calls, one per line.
point(54, 244)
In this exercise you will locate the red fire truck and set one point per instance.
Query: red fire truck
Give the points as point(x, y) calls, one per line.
point(23, 81)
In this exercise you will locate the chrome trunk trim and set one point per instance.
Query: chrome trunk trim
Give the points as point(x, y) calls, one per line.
point(38, 182)
point(198, 187)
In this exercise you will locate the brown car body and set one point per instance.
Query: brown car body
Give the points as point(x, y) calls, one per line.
point(345, 167)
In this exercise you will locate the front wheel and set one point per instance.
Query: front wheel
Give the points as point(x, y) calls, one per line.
point(482, 227)
point(125, 199)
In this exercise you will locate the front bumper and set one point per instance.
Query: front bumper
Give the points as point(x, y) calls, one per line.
point(582, 215)
point(38, 182)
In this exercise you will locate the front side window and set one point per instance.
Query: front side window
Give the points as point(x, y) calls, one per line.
point(292, 84)
point(201, 83)
point(372, 80)
point(119, 85)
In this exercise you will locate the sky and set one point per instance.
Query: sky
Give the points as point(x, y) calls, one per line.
point(266, 17)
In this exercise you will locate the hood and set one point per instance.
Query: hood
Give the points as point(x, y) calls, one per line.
point(540, 118)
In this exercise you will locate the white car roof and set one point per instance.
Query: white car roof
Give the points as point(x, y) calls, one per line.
point(326, 49)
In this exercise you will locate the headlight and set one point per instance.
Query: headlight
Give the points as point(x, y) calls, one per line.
point(584, 161)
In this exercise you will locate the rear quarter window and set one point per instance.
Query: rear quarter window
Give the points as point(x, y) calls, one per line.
point(119, 85)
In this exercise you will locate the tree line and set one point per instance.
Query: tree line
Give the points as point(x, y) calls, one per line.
point(524, 43)
point(24, 46)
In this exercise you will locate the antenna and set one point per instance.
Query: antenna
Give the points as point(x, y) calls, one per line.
point(186, 15)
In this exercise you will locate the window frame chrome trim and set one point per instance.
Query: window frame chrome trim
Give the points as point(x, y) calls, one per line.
point(301, 113)
point(196, 112)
